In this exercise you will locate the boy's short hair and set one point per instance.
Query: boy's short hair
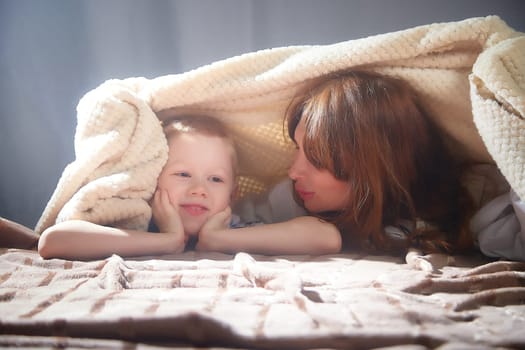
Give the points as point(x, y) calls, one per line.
point(201, 124)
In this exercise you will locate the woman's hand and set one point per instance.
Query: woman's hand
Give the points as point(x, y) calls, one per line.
point(212, 233)
point(167, 219)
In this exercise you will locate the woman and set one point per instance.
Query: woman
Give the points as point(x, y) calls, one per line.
point(368, 132)
point(370, 163)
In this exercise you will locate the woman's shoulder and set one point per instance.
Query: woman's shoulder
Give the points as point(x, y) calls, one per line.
point(282, 202)
point(277, 205)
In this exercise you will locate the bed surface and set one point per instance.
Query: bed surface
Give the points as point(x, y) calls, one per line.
point(249, 301)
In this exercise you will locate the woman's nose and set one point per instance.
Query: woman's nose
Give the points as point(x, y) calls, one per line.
point(296, 169)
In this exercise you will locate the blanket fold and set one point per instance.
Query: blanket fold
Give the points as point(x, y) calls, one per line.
point(469, 74)
point(119, 147)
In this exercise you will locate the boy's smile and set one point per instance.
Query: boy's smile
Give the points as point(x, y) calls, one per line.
point(194, 209)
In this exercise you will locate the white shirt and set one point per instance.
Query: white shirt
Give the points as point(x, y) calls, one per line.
point(499, 227)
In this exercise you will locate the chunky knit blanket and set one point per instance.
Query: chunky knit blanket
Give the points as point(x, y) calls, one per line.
point(470, 75)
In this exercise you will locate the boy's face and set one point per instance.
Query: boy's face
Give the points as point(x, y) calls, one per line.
point(198, 177)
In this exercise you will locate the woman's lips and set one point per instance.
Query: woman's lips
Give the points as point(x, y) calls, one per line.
point(194, 209)
point(305, 195)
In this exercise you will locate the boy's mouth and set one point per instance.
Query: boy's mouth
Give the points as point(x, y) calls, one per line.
point(194, 209)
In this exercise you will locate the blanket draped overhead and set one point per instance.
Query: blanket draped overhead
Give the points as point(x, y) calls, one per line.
point(469, 74)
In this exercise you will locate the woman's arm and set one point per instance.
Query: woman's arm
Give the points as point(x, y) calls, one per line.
point(78, 239)
point(301, 235)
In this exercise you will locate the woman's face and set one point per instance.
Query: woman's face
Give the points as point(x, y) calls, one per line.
point(318, 188)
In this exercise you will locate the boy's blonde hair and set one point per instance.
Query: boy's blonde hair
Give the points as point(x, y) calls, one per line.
point(204, 125)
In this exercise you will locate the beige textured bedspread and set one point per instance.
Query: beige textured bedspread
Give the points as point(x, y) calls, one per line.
point(194, 299)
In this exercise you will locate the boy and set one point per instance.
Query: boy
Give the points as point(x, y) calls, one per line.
point(197, 182)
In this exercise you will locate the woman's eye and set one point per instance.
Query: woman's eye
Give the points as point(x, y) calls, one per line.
point(216, 179)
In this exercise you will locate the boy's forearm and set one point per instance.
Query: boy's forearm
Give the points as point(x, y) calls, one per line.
point(84, 240)
point(304, 235)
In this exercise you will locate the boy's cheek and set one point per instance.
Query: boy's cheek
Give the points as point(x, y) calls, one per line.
point(235, 193)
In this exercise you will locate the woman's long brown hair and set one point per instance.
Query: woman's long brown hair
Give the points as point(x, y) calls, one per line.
point(370, 130)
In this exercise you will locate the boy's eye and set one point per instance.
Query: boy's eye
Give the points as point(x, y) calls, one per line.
point(182, 174)
point(216, 179)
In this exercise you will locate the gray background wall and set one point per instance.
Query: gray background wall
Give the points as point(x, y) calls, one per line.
point(52, 52)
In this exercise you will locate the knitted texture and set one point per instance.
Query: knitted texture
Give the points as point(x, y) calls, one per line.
point(120, 150)
point(469, 74)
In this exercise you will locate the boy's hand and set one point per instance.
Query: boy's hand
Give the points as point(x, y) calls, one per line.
point(167, 219)
point(212, 231)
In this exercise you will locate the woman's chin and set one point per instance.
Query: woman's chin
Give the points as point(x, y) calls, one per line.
point(311, 208)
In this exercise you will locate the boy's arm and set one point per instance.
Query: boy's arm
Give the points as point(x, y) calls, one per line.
point(301, 235)
point(78, 239)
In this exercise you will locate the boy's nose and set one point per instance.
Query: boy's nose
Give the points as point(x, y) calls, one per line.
point(198, 188)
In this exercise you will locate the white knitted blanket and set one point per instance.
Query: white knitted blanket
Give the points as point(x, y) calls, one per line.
point(470, 75)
